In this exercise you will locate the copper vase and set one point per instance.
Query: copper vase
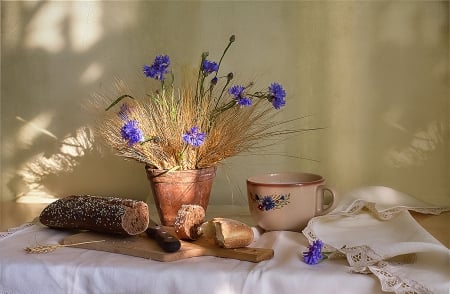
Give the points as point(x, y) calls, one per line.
point(172, 189)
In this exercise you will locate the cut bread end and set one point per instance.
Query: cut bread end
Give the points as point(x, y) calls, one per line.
point(136, 218)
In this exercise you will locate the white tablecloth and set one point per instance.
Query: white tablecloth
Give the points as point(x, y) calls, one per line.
point(72, 270)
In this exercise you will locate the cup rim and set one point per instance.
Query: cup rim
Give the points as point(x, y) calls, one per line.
point(253, 179)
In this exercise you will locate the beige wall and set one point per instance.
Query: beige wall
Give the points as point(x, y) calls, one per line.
point(374, 73)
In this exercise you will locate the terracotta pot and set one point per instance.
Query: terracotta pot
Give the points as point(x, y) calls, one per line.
point(173, 189)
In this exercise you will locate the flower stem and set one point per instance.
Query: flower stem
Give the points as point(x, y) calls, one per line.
point(231, 40)
point(229, 78)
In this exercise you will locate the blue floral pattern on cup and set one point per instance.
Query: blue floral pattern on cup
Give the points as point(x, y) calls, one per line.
point(269, 202)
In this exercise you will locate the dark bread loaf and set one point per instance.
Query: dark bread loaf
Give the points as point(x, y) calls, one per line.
point(101, 214)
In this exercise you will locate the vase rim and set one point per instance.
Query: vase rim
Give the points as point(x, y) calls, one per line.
point(203, 173)
point(180, 170)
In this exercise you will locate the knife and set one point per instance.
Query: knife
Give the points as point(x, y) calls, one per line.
point(165, 240)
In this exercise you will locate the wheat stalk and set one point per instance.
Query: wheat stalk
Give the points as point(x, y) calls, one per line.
point(166, 115)
point(52, 247)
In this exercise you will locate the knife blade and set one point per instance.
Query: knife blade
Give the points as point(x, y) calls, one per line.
point(165, 240)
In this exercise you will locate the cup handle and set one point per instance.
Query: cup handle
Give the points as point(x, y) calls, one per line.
point(320, 193)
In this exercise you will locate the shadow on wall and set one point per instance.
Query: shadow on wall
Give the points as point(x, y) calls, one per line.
point(388, 89)
point(413, 110)
point(55, 55)
point(421, 147)
point(411, 82)
point(58, 53)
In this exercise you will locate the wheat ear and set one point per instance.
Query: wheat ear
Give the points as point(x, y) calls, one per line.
point(53, 247)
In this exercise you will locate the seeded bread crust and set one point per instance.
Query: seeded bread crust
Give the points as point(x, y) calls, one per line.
point(101, 214)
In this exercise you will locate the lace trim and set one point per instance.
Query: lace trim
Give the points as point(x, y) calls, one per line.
point(387, 214)
point(360, 256)
point(15, 230)
point(309, 233)
point(394, 283)
point(364, 260)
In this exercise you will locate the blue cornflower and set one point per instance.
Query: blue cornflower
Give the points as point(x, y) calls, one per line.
point(277, 95)
point(236, 91)
point(314, 253)
point(244, 101)
point(131, 132)
point(267, 203)
point(193, 137)
point(209, 67)
point(124, 112)
point(158, 69)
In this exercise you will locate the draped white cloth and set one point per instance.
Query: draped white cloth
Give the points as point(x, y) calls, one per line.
point(73, 270)
point(373, 229)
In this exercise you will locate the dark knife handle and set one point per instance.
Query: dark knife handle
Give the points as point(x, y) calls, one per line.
point(165, 240)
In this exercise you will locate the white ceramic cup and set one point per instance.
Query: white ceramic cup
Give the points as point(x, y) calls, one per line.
point(287, 201)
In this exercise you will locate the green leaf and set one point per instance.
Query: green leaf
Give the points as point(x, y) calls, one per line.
point(118, 100)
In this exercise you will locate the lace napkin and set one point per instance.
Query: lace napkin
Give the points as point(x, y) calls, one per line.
point(373, 229)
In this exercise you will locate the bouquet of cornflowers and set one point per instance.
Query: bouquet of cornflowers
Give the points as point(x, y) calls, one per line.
point(194, 126)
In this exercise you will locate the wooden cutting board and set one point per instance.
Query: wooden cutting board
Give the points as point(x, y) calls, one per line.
point(142, 246)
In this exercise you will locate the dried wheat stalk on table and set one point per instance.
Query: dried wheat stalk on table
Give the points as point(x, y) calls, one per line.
point(52, 247)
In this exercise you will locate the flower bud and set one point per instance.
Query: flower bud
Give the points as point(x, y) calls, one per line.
point(214, 81)
point(232, 38)
point(230, 76)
